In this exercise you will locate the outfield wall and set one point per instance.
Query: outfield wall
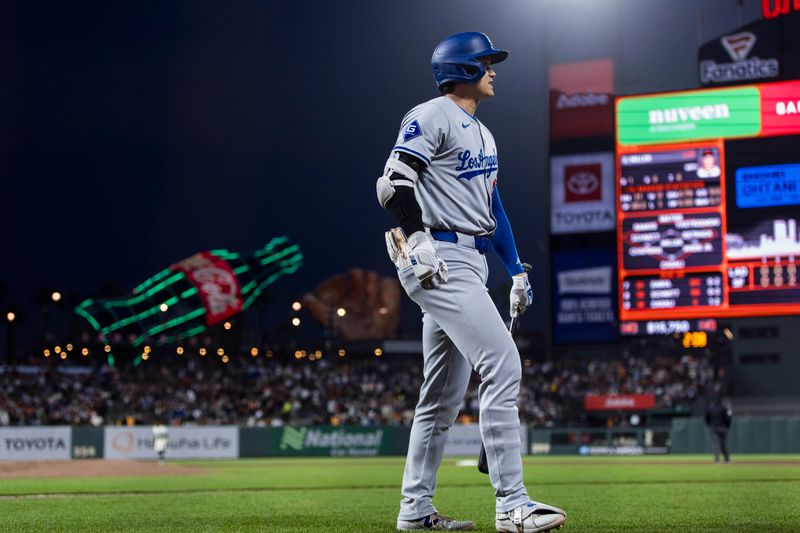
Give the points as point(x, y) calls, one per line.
point(748, 434)
point(770, 434)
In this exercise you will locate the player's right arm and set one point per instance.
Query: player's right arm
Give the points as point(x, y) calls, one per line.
point(396, 190)
point(418, 141)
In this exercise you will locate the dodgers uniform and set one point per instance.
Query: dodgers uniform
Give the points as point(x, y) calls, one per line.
point(462, 329)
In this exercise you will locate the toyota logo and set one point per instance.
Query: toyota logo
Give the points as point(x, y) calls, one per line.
point(583, 183)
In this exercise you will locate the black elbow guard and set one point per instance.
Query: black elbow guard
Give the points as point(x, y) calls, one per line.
point(405, 208)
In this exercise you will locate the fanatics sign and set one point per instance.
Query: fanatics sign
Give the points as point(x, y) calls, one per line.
point(764, 50)
point(745, 56)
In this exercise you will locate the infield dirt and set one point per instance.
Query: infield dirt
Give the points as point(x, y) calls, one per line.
point(92, 468)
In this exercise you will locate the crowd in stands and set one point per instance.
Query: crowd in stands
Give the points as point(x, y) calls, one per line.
point(353, 391)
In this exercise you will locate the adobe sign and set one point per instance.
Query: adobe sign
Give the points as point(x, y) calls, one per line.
point(581, 99)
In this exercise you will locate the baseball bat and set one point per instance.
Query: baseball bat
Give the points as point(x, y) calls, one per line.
point(483, 462)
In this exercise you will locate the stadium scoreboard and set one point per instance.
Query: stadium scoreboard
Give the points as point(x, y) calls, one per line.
point(708, 204)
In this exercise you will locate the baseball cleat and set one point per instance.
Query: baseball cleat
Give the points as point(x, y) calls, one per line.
point(530, 518)
point(435, 522)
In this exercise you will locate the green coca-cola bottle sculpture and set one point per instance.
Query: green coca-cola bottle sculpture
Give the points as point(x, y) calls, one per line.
point(195, 293)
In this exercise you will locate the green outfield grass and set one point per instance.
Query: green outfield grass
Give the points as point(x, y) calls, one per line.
point(646, 494)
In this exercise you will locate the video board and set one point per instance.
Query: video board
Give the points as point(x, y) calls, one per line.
point(708, 206)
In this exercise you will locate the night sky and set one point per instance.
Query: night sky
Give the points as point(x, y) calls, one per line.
point(135, 134)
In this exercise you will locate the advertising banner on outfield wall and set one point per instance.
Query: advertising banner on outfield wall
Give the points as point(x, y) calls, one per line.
point(214, 442)
point(582, 193)
point(465, 439)
point(619, 402)
point(331, 441)
point(35, 443)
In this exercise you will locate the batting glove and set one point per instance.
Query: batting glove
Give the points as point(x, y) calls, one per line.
point(429, 268)
point(521, 294)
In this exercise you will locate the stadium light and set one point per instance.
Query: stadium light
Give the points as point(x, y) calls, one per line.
point(179, 349)
point(46, 352)
point(227, 325)
point(69, 347)
point(57, 349)
point(10, 316)
point(56, 296)
point(378, 352)
point(202, 351)
point(296, 306)
point(225, 359)
point(295, 321)
point(63, 355)
point(85, 352)
point(341, 311)
point(163, 307)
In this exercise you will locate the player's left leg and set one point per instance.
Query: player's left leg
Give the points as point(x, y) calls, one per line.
point(446, 374)
point(716, 444)
point(723, 445)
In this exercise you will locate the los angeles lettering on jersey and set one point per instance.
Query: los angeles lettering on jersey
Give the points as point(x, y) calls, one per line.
point(484, 164)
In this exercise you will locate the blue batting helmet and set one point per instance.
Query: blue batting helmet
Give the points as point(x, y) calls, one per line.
point(456, 59)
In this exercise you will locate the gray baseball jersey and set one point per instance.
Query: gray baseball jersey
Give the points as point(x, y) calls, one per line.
point(455, 189)
point(461, 328)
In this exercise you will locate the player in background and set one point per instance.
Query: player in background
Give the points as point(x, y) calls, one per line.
point(440, 183)
point(160, 438)
point(718, 419)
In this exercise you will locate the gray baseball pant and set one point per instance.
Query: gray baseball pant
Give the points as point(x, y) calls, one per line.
point(462, 330)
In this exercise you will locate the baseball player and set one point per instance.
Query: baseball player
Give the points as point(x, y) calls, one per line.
point(160, 438)
point(440, 183)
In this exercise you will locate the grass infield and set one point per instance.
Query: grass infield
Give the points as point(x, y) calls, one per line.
point(647, 494)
